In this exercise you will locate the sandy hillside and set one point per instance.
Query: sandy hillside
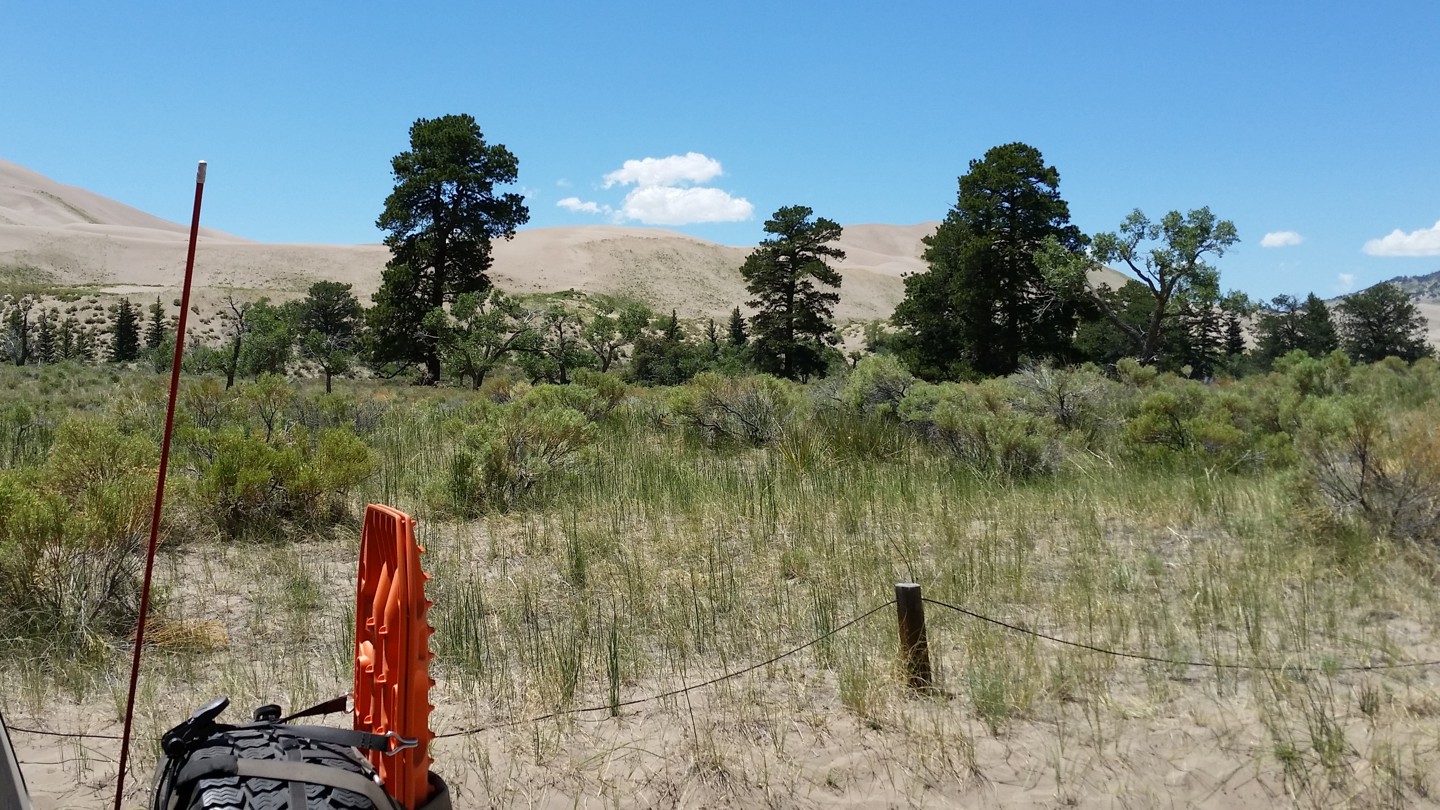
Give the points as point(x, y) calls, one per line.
point(69, 236)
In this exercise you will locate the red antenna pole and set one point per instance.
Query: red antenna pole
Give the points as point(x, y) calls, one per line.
point(160, 485)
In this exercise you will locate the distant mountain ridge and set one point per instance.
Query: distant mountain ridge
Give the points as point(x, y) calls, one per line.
point(1421, 289)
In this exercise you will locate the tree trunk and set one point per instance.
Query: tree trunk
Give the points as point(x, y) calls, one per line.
point(232, 365)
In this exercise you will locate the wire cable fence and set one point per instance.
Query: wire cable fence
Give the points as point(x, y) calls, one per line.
point(612, 706)
point(1174, 661)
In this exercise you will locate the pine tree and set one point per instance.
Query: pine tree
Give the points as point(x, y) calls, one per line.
point(125, 335)
point(68, 329)
point(155, 330)
point(439, 222)
point(85, 345)
point(1381, 322)
point(1234, 335)
point(1316, 331)
point(738, 336)
point(792, 284)
point(46, 350)
point(985, 305)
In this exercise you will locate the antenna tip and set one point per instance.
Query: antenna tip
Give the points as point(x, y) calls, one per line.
point(200, 173)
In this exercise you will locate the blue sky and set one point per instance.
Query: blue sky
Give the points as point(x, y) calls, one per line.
point(1313, 119)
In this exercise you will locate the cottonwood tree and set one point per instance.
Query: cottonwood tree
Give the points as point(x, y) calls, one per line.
point(270, 342)
point(1168, 257)
point(479, 331)
point(794, 293)
point(328, 323)
point(439, 221)
point(235, 320)
point(985, 304)
point(614, 326)
point(559, 349)
point(1381, 322)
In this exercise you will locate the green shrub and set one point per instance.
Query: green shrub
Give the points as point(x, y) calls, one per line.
point(1080, 401)
point(877, 384)
point(976, 425)
point(1379, 471)
point(248, 487)
point(752, 410)
point(517, 448)
point(1189, 422)
point(72, 536)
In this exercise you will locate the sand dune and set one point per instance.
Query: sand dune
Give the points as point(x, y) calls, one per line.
point(64, 235)
point(69, 236)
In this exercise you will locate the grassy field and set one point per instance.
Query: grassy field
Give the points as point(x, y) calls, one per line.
point(592, 546)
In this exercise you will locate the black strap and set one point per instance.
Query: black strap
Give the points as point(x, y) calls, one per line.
point(363, 740)
point(331, 706)
point(297, 787)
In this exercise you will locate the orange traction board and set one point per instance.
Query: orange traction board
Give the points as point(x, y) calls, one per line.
point(392, 652)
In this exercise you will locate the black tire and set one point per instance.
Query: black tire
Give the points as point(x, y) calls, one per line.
point(253, 793)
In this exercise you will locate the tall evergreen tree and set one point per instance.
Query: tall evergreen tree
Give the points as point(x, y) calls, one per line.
point(46, 337)
point(155, 327)
point(125, 333)
point(18, 326)
point(1381, 322)
point(1277, 328)
point(85, 341)
point(738, 336)
point(1317, 333)
point(69, 332)
point(792, 284)
point(1234, 335)
point(984, 305)
point(439, 222)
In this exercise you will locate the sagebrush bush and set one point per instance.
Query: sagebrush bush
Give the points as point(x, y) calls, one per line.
point(247, 486)
point(1379, 470)
point(1080, 401)
point(978, 426)
point(72, 536)
point(754, 410)
point(877, 384)
point(515, 448)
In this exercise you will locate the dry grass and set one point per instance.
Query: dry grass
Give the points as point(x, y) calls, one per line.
point(668, 563)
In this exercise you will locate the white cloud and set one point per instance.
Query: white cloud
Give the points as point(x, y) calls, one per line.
point(668, 205)
point(691, 167)
point(1345, 282)
point(1278, 239)
point(1424, 242)
point(582, 206)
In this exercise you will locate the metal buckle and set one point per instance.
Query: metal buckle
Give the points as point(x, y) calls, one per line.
point(399, 743)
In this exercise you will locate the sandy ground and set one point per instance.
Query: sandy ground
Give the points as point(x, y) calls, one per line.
point(779, 737)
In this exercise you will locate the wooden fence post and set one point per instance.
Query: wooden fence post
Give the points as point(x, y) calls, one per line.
point(914, 648)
